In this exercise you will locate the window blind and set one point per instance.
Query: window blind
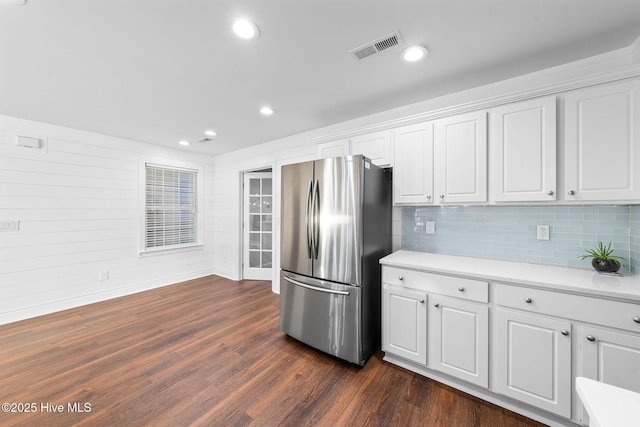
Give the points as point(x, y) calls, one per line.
point(170, 214)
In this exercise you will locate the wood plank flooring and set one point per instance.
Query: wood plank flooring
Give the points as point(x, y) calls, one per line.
point(208, 352)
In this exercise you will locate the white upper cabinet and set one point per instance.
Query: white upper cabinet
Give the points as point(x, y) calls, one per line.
point(413, 164)
point(461, 158)
point(602, 153)
point(376, 146)
point(338, 148)
point(523, 146)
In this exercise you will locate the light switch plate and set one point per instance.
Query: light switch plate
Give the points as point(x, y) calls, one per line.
point(9, 225)
point(542, 232)
point(429, 227)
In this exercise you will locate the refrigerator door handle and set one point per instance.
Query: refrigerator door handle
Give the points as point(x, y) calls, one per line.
point(316, 218)
point(315, 288)
point(308, 220)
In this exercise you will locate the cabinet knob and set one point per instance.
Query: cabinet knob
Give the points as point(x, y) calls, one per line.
point(400, 278)
point(528, 300)
point(421, 300)
point(550, 193)
point(461, 289)
point(436, 305)
point(591, 338)
point(564, 332)
point(442, 196)
point(429, 197)
point(571, 192)
point(636, 319)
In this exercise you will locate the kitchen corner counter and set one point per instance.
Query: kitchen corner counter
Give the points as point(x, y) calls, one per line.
point(575, 280)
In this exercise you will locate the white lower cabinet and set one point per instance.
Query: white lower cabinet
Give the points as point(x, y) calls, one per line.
point(404, 327)
point(533, 360)
point(459, 339)
point(611, 357)
point(516, 345)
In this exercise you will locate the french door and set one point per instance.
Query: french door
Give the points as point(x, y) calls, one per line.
point(257, 257)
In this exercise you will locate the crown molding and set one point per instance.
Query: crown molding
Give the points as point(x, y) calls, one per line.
point(490, 102)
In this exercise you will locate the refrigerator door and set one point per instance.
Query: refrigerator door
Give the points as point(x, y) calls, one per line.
point(295, 228)
point(323, 315)
point(337, 219)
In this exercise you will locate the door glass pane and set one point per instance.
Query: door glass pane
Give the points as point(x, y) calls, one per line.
point(254, 223)
point(254, 204)
point(254, 259)
point(266, 205)
point(266, 186)
point(254, 186)
point(266, 222)
point(266, 241)
point(266, 259)
point(254, 241)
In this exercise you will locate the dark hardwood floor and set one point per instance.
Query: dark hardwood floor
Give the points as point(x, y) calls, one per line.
point(207, 352)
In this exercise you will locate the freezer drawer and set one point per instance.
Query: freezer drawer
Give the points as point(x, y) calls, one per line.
point(322, 314)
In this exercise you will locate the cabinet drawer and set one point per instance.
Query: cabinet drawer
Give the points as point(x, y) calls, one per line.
point(616, 314)
point(472, 290)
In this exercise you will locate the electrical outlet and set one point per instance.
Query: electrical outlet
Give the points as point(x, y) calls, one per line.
point(104, 275)
point(429, 227)
point(542, 232)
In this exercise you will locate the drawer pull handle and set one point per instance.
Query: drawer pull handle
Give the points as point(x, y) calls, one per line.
point(564, 332)
point(591, 338)
point(528, 300)
point(436, 305)
point(461, 289)
point(421, 300)
point(400, 278)
point(636, 319)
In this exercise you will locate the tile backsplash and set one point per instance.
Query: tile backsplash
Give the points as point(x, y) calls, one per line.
point(509, 232)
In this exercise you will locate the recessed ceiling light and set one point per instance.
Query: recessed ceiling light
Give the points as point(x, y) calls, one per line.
point(210, 133)
point(414, 53)
point(245, 29)
point(184, 143)
point(267, 111)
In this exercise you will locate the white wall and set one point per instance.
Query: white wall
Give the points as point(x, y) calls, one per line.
point(77, 200)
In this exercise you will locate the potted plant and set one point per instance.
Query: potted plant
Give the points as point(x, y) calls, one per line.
point(603, 259)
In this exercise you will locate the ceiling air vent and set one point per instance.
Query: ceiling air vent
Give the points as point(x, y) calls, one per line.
point(376, 46)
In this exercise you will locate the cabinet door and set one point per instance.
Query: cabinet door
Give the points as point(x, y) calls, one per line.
point(523, 147)
point(459, 339)
point(602, 153)
point(612, 357)
point(533, 360)
point(376, 146)
point(331, 149)
point(413, 164)
point(404, 323)
point(461, 158)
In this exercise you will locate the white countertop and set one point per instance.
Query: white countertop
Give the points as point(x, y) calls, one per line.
point(608, 406)
point(570, 279)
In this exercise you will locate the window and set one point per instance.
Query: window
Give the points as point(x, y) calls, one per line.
point(170, 207)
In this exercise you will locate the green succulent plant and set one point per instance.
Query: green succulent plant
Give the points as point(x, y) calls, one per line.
point(603, 251)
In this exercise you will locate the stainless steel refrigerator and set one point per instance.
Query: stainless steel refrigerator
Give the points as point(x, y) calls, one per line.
point(335, 225)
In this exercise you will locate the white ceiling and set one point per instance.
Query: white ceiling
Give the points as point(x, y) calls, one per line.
point(163, 70)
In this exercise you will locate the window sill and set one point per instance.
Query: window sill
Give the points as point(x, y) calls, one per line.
point(170, 251)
